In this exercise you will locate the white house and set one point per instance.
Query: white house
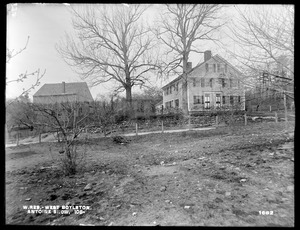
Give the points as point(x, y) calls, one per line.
point(214, 84)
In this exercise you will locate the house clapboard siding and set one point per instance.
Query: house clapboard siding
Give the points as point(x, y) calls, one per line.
point(213, 84)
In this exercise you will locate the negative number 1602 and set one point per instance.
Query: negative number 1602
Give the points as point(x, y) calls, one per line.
point(266, 213)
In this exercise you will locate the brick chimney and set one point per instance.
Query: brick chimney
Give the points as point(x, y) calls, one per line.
point(188, 66)
point(207, 55)
point(63, 87)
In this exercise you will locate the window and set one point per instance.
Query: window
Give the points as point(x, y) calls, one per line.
point(177, 103)
point(194, 82)
point(218, 67)
point(223, 83)
point(234, 83)
point(211, 82)
point(223, 100)
point(197, 99)
point(238, 83)
point(230, 83)
point(231, 100)
point(220, 81)
point(214, 68)
point(176, 87)
point(202, 82)
point(218, 100)
point(169, 104)
point(222, 68)
point(170, 89)
point(206, 67)
point(207, 83)
point(206, 101)
point(239, 99)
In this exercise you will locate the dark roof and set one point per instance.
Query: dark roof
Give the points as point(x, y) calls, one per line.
point(73, 88)
point(215, 57)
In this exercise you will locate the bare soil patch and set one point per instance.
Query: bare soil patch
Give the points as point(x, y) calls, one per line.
point(221, 177)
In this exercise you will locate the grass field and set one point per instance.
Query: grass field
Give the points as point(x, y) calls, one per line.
point(222, 177)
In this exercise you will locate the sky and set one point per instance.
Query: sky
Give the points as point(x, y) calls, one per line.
point(46, 24)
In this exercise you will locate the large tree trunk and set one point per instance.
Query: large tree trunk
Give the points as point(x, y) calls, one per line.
point(184, 86)
point(129, 108)
point(184, 97)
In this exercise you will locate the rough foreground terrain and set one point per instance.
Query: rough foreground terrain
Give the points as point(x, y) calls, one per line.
point(222, 177)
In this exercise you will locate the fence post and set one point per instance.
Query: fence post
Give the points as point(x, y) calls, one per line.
point(162, 126)
point(276, 117)
point(136, 128)
point(245, 115)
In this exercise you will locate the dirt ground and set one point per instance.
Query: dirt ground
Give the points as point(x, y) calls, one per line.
point(229, 176)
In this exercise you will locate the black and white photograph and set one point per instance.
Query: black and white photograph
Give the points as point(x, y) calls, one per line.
point(149, 115)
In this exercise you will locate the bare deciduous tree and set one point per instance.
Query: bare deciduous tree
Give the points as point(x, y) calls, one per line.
point(10, 54)
point(181, 27)
point(113, 45)
point(264, 36)
point(67, 120)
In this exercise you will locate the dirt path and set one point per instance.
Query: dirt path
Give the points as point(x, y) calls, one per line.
point(222, 177)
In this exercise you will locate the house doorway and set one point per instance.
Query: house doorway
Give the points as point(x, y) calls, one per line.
point(218, 100)
point(207, 101)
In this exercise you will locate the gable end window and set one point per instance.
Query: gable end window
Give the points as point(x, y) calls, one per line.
point(206, 67)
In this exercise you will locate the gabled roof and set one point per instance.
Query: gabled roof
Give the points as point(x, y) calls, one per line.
point(74, 88)
point(216, 57)
point(177, 78)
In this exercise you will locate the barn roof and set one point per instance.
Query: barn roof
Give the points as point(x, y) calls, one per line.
point(80, 89)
